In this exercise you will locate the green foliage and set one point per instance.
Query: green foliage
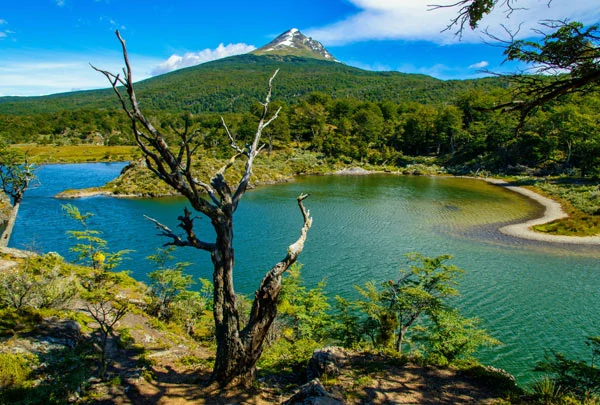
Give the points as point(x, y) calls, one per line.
point(342, 113)
point(398, 305)
point(581, 200)
point(194, 361)
point(168, 283)
point(39, 282)
point(585, 196)
point(15, 172)
point(571, 46)
point(69, 371)
point(303, 313)
point(172, 301)
point(91, 250)
point(15, 370)
point(577, 377)
point(450, 336)
point(385, 315)
point(212, 87)
point(348, 326)
point(303, 324)
point(546, 391)
point(12, 321)
point(290, 357)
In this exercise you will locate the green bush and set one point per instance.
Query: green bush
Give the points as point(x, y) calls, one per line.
point(286, 356)
point(546, 391)
point(15, 370)
point(38, 283)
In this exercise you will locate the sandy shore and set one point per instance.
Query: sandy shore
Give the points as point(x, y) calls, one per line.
point(553, 211)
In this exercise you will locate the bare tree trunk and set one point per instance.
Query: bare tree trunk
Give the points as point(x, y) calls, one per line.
point(569, 152)
point(10, 224)
point(238, 349)
point(400, 339)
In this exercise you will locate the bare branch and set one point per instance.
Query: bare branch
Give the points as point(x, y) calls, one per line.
point(159, 157)
point(264, 308)
point(254, 149)
point(471, 12)
point(232, 139)
point(187, 225)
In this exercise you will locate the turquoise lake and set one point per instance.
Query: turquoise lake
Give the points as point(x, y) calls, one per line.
point(531, 296)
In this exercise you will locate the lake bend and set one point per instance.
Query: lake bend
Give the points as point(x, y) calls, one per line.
point(532, 296)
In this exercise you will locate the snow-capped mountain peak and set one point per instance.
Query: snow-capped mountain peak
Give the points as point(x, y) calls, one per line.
point(293, 42)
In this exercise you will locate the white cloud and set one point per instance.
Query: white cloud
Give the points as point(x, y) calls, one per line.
point(415, 20)
point(60, 3)
point(195, 58)
point(376, 67)
point(479, 65)
point(113, 24)
point(50, 73)
point(5, 33)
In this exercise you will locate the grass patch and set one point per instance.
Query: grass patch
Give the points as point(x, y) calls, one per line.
point(580, 200)
point(40, 154)
point(15, 369)
point(195, 361)
point(13, 321)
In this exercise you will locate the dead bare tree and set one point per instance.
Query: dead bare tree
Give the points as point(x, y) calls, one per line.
point(106, 313)
point(238, 346)
point(16, 174)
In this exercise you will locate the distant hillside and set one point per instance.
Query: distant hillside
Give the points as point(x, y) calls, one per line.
point(233, 84)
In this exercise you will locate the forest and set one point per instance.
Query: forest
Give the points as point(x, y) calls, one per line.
point(463, 134)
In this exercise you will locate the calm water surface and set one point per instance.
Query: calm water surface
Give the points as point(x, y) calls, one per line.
point(532, 296)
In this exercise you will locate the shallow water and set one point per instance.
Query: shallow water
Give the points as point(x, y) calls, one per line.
point(530, 295)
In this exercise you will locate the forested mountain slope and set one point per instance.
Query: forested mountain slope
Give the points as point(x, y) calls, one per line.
point(233, 84)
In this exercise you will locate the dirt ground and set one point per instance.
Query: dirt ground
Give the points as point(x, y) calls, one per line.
point(363, 380)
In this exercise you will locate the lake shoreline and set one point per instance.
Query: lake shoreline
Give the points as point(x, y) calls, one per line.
point(552, 212)
point(552, 209)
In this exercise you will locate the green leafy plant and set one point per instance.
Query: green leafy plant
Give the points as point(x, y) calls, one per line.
point(91, 248)
point(168, 283)
point(419, 291)
point(450, 336)
point(577, 377)
point(15, 370)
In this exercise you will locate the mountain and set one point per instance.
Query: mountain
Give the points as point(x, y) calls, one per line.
point(235, 83)
point(293, 42)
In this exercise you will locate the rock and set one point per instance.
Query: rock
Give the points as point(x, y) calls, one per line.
point(61, 331)
point(328, 361)
point(313, 393)
point(352, 171)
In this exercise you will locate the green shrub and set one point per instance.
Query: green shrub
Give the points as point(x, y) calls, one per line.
point(547, 391)
point(194, 361)
point(285, 356)
point(39, 282)
point(15, 370)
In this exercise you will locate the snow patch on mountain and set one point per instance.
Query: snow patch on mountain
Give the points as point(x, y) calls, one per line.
point(293, 41)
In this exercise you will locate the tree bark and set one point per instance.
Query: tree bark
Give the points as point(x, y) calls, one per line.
point(10, 224)
point(238, 350)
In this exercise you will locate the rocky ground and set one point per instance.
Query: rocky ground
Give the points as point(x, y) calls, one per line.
point(152, 363)
point(176, 369)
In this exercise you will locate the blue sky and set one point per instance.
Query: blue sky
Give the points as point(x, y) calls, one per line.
point(46, 45)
